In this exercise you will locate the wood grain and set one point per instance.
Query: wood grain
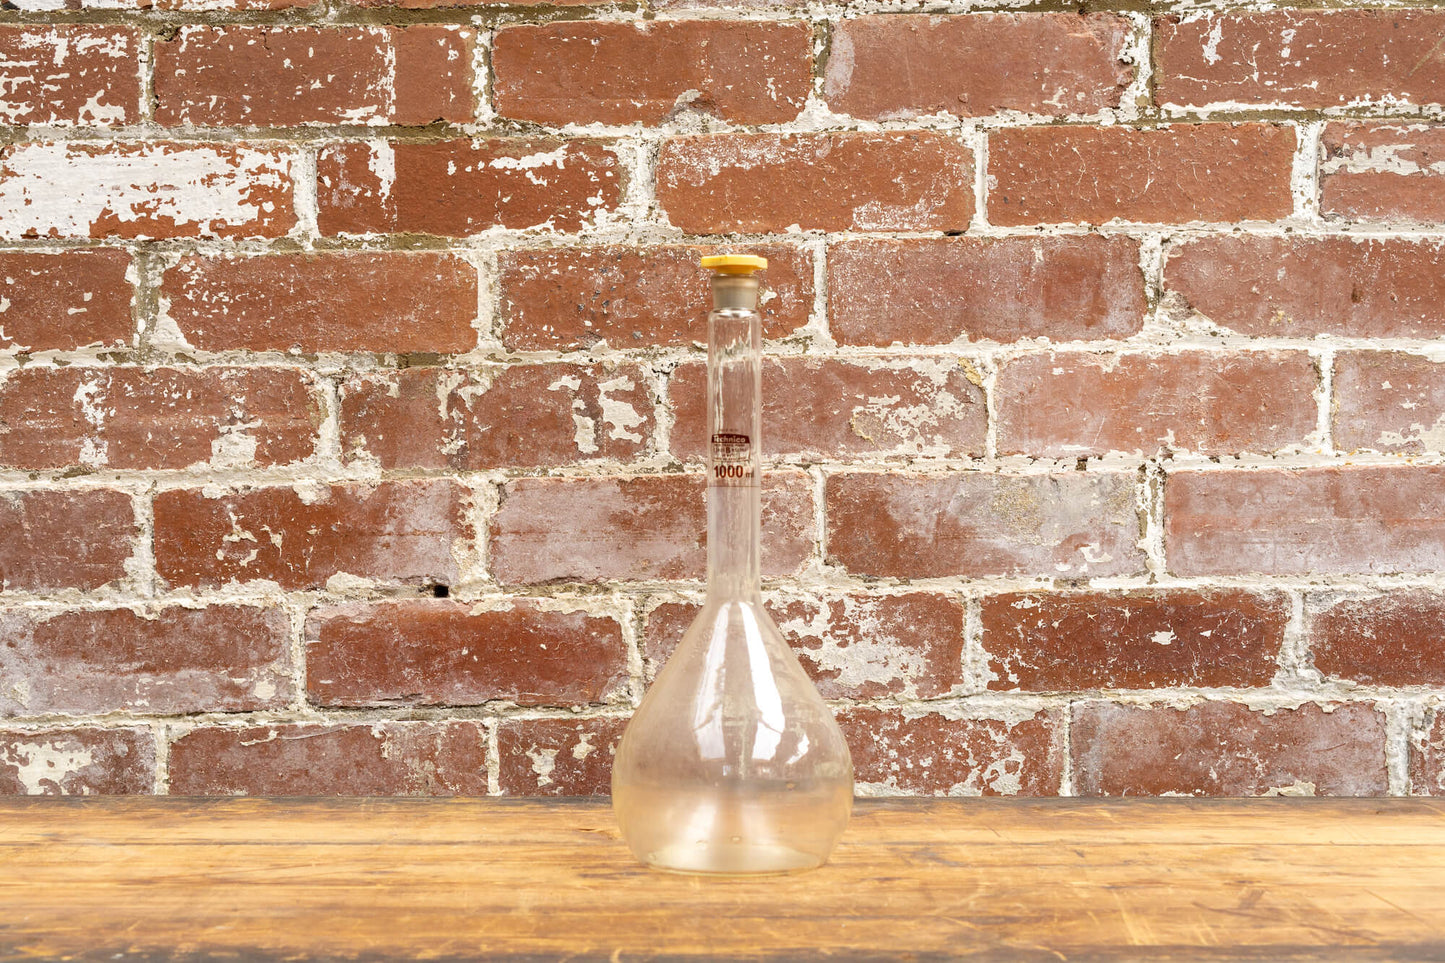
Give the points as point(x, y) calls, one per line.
point(1027, 879)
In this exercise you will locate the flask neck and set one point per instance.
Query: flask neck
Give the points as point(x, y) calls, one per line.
point(734, 382)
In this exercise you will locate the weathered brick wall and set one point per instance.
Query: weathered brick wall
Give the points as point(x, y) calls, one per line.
point(350, 388)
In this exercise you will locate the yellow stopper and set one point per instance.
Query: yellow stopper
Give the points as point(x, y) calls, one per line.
point(734, 263)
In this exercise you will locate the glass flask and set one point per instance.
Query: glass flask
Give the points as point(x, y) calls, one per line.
point(733, 763)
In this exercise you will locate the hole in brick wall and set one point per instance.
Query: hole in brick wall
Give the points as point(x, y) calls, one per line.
point(441, 591)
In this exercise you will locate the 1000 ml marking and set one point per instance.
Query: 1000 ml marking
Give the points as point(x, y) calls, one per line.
point(732, 459)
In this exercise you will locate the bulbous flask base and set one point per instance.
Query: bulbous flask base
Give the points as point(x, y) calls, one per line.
point(732, 763)
point(783, 829)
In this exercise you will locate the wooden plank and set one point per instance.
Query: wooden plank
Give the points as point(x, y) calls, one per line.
point(259, 879)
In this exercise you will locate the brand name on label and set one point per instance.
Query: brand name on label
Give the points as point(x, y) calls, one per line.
point(732, 458)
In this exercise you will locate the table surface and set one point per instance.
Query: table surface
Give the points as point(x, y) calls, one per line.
point(465, 879)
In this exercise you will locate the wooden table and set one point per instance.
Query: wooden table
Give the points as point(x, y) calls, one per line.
point(1019, 879)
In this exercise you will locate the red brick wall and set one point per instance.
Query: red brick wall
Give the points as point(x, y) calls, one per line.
point(349, 388)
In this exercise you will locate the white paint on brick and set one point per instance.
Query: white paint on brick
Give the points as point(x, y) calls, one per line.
point(41, 766)
point(382, 164)
point(1380, 159)
point(1431, 437)
point(529, 163)
point(234, 446)
point(544, 761)
point(63, 190)
point(47, 60)
point(1211, 45)
point(93, 450)
point(860, 661)
point(386, 114)
point(620, 415)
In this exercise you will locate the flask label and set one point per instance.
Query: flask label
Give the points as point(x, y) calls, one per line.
point(732, 459)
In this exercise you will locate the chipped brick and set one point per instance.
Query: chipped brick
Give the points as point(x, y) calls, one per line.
point(376, 759)
point(557, 757)
point(852, 646)
point(928, 526)
point(655, 528)
point(450, 653)
point(397, 533)
point(825, 408)
point(567, 299)
point(1048, 642)
point(531, 416)
point(1227, 749)
point(77, 762)
point(220, 658)
point(927, 753)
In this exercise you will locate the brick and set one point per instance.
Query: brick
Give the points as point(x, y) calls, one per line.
point(557, 757)
point(522, 416)
point(1075, 403)
point(1168, 175)
point(1301, 58)
point(1382, 172)
point(294, 76)
point(585, 72)
point(77, 762)
point(438, 652)
point(1302, 287)
point(154, 189)
point(726, 4)
point(60, 302)
point(370, 759)
point(53, 540)
point(820, 408)
point(203, 5)
point(898, 751)
point(397, 533)
point(514, 4)
point(132, 417)
point(650, 527)
point(1047, 642)
point(1427, 757)
point(974, 524)
point(974, 65)
point(844, 181)
point(188, 6)
point(69, 74)
point(1226, 749)
point(221, 658)
point(461, 187)
point(371, 301)
point(1389, 401)
point(1319, 521)
point(567, 299)
point(852, 646)
point(1389, 639)
point(939, 290)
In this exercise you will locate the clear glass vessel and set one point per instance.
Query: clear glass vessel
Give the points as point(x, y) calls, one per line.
point(733, 763)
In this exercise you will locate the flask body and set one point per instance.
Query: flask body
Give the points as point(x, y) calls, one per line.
point(733, 762)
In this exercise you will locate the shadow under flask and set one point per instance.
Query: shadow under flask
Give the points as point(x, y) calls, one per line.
point(733, 763)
